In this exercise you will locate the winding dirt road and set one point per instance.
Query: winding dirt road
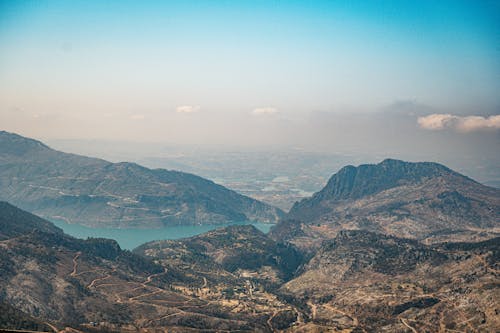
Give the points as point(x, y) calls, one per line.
point(75, 264)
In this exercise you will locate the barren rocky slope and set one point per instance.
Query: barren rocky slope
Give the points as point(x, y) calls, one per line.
point(98, 193)
point(232, 248)
point(15, 222)
point(425, 201)
point(367, 282)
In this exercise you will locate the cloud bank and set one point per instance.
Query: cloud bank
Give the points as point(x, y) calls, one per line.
point(187, 108)
point(265, 110)
point(459, 123)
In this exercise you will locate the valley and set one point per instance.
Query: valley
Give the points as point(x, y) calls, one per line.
point(132, 238)
point(238, 279)
point(388, 247)
point(249, 166)
point(113, 290)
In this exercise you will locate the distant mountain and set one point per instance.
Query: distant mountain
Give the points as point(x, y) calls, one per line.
point(414, 200)
point(366, 282)
point(98, 193)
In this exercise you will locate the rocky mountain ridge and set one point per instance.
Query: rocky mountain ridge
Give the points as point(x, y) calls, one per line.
point(380, 259)
point(424, 201)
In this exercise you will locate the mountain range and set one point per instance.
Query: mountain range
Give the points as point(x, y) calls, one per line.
point(97, 193)
point(391, 247)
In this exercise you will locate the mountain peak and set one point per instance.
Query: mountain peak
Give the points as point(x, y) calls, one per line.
point(407, 199)
point(428, 166)
point(355, 182)
point(392, 161)
point(15, 144)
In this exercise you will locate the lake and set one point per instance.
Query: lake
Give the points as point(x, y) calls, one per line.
point(131, 238)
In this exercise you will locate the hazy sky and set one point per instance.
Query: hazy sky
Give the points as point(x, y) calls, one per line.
point(316, 73)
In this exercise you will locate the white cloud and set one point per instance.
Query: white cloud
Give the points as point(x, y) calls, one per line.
point(265, 110)
point(137, 117)
point(459, 123)
point(435, 121)
point(187, 108)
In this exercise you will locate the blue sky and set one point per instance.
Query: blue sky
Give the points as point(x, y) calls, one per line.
point(65, 65)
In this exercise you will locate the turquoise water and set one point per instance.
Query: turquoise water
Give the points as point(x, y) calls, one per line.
point(131, 238)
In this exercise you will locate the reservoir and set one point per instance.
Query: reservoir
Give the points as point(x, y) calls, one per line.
point(131, 238)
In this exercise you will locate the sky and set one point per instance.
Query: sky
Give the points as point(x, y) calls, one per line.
point(323, 75)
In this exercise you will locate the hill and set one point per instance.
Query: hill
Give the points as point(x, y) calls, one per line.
point(424, 200)
point(241, 250)
point(97, 193)
point(15, 222)
point(366, 282)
